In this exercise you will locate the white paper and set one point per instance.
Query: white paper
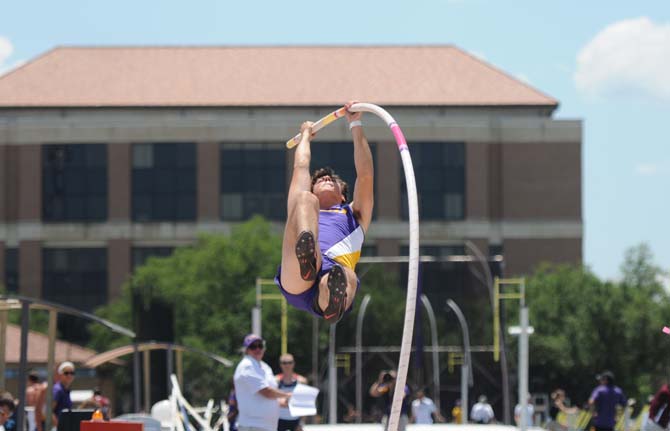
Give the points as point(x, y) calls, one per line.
point(303, 400)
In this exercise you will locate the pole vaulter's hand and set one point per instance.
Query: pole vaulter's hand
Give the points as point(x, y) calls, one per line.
point(306, 130)
point(352, 116)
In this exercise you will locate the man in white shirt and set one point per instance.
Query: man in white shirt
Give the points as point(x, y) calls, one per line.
point(530, 411)
point(258, 398)
point(482, 412)
point(423, 409)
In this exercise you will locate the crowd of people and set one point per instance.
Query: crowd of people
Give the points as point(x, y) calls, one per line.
point(259, 400)
point(36, 391)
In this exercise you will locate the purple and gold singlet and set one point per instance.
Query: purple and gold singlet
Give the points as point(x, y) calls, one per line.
point(340, 239)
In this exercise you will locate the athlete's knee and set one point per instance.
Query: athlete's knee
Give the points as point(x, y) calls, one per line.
point(305, 199)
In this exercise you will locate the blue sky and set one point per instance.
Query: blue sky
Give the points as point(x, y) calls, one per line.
point(608, 63)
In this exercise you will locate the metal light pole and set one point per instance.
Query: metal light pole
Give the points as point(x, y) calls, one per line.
point(523, 331)
point(332, 378)
point(523, 366)
point(256, 325)
point(466, 368)
point(23, 361)
point(359, 357)
point(497, 333)
point(436, 354)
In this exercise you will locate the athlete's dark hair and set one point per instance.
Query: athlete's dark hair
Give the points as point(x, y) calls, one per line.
point(328, 171)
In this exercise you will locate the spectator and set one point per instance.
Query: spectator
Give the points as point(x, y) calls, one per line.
point(659, 411)
point(35, 399)
point(61, 390)
point(7, 408)
point(424, 410)
point(530, 411)
point(604, 399)
point(482, 412)
point(103, 403)
point(256, 390)
point(556, 406)
point(383, 388)
point(233, 411)
point(287, 380)
point(457, 412)
point(97, 402)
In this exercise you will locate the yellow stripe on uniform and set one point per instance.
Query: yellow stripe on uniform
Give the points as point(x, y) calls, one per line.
point(348, 250)
point(349, 260)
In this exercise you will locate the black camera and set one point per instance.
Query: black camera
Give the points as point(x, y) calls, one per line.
point(387, 377)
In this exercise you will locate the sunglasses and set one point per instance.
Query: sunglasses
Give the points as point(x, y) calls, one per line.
point(68, 373)
point(255, 346)
point(286, 362)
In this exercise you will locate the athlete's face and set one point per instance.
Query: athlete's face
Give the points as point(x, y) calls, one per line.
point(327, 186)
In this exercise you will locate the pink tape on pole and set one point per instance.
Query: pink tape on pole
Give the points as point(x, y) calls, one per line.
point(666, 330)
point(399, 137)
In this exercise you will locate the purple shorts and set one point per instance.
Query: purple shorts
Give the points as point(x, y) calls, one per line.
point(306, 300)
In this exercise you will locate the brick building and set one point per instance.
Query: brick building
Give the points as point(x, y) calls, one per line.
point(110, 155)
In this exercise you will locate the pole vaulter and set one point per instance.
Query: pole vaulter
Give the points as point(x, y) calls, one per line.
point(410, 306)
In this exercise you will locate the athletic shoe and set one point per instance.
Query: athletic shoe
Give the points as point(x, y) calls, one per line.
point(337, 295)
point(305, 252)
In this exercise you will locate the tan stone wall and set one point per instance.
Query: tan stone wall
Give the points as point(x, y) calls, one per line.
point(387, 182)
point(29, 182)
point(119, 165)
point(541, 181)
point(209, 162)
point(30, 269)
point(118, 266)
point(522, 256)
point(477, 174)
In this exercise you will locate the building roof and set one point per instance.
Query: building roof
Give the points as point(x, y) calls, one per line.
point(38, 348)
point(262, 76)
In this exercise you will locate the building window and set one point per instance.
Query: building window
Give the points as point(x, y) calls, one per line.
point(369, 250)
point(11, 270)
point(164, 182)
point(340, 157)
point(439, 169)
point(74, 183)
point(253, 181)
point(142, 254)
point(76, 277)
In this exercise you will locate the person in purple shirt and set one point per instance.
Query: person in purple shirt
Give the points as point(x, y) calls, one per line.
point(324, 230)
point(61, 390)
point(604, 399)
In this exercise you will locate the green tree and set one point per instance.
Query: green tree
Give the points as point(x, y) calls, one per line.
point(210, 287)
point(583, 325)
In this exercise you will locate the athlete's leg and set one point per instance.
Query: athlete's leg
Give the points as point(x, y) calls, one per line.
point(330, 287)
point(301, 258)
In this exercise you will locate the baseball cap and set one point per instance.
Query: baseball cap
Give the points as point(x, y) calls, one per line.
point(606, 374)
point(65, 365)
point(250, 338)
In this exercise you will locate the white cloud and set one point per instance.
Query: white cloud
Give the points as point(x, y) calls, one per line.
point(6, 49)
point(627, 57)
